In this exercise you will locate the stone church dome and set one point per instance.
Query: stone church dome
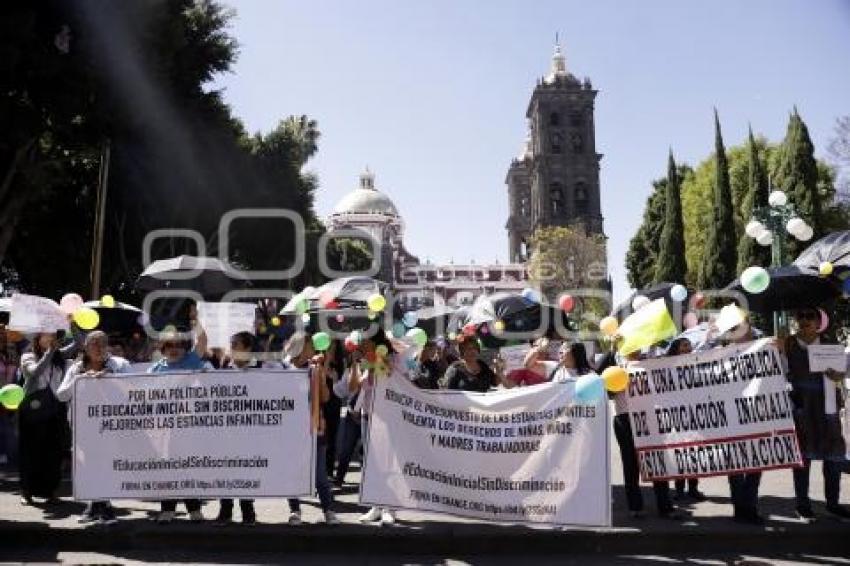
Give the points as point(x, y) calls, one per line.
point(366, 199)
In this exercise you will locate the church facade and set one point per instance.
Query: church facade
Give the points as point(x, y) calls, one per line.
point(553, 182)
point(555, 179)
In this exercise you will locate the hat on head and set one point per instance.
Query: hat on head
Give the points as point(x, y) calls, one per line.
point(295, 345)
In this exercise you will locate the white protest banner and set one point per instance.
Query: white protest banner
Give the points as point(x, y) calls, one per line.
point(514, 356)
point(719, 412)
point(220, 321)
point(528, 455)
point(30, 313)
point(239, 434)
point(826, 356)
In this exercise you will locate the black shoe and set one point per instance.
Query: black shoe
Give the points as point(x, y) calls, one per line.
point(749, 519)
point(806, 513)
point(107, 516)
point(91, 515)
point(838, 511)
point(26, 500)
point(249, 519)
point(224, 519)
point(696, 495)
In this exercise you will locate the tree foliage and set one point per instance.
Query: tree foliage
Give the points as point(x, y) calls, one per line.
point(749, 252)
point(670, 265)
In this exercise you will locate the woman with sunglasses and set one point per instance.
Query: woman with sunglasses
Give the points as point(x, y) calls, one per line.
point(95, 362)
point(818, 426)
point(178, 355)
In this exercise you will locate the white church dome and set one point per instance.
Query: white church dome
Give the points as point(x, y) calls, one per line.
point(366, 199)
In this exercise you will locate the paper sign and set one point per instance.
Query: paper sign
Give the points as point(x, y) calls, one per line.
point(514, 356)
point(827, 356)
point(222, 320)
point(30, 313)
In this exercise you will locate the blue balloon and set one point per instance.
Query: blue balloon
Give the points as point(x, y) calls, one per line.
point(530, 295)
point(411, 363)
point(398, 329)
point(590, 388)
point(410, 319)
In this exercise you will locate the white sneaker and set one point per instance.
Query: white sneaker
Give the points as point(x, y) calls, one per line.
point(165, 517)
point(295, 518)
point(387, 517)
point(196, 516)
point(331, 518)
point(372, 515)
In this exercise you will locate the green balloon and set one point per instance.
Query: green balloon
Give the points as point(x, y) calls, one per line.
point(302, 305)
point(11, 396)
point(321, 341)
point(418, 336)
point(755, 280)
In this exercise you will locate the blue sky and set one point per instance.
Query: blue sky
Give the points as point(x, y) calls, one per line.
point(432, 95)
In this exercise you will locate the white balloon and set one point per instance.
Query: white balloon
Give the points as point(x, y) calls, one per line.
point(765, 238)
point(777, 198)
point(678, 293)
point(795, 225)
point(806, 234)
point(754, 228)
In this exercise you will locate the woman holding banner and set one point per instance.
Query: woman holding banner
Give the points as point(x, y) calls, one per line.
point(178, 355)
point(94, 363)
point(300, 354)
point(817, 406)
point(472, 374)
point(41, 420)
point(241, 350)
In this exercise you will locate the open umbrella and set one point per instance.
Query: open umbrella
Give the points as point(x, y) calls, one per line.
point(208, 276)
point(345, 292)
point(120, 318)
point(834, 248)
point(791, 287)
point(518, 314)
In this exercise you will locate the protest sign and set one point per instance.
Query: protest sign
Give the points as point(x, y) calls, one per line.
point(514, 356)
point(826, 356)
point(724, 411)
point(220, 321)
point(29, 313)
point(529, 455)
point(239, 434)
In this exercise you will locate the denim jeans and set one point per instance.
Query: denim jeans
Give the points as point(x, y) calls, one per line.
point(323, 486)
point(351, 433)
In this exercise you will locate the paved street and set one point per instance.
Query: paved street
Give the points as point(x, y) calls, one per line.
point(707, 536)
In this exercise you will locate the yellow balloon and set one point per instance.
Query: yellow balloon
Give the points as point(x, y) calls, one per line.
point(86, 318)
point(275, 321)
point(616, 379)
point(825, 268)
point(376, 303)
point(107, 301)
point(609, 325)
point(498, 326)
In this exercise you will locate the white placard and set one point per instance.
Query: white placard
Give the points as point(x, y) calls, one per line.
point(713, 413)
point(528, 455)
point(32, 314)
point(221, 321)
point(514, 356)
point(826, 356)
point(239, 434)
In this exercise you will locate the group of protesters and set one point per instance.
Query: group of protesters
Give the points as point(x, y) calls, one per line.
point(341, 389)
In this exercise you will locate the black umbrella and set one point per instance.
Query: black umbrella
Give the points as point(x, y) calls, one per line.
point(518, 314)
point(834, 248)
point(345, 292)
point(121, 318)
point(208, 276)
point(791, 287)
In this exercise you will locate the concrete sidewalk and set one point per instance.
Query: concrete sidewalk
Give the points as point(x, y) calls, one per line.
point(707, 529)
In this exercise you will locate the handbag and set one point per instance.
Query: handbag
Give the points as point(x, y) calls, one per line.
point(39, 406)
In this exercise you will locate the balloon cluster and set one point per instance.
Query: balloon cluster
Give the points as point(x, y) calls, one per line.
point(84, 317)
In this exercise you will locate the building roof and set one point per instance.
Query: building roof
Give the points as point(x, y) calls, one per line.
point(366, 199)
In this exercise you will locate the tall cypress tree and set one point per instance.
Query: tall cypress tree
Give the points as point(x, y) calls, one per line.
point(643, 247)
point(797, 175)
point(718, 265)
point(749, 251)
point(670, 265)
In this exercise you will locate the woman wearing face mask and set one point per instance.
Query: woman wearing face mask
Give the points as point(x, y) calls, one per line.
point(817, 422)
point(178, 355)
point(96, 362)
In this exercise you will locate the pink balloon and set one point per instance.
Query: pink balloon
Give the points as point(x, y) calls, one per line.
point(690, 320)
point(70, 303)
point(824, 321)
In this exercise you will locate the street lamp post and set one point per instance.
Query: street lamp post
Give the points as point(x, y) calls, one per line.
point(770, 226)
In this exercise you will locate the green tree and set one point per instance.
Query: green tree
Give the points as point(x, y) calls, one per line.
point(796, 173)
point(749, 251)
point(670, 264)
point(643, 247)
point(718, 265)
